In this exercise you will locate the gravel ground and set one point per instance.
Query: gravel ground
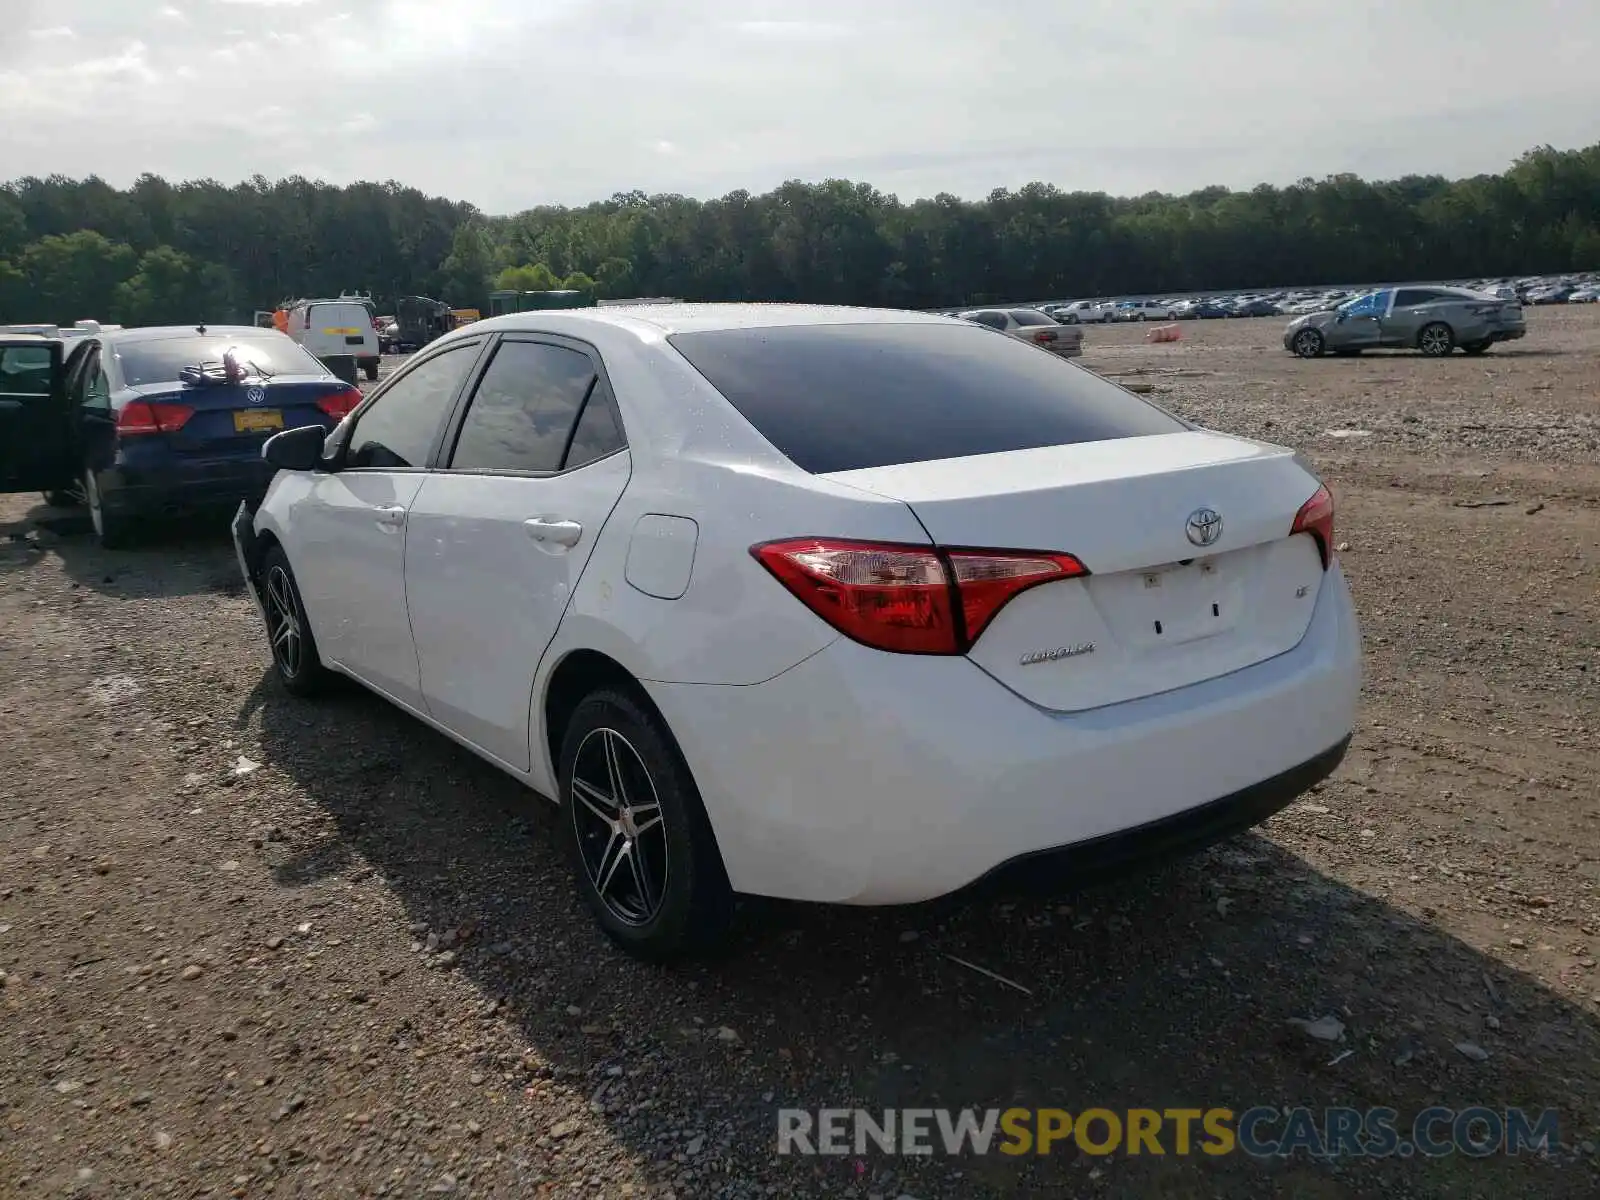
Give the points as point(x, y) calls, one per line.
point(250, 944)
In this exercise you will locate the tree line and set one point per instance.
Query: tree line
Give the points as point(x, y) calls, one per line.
point(160, 252)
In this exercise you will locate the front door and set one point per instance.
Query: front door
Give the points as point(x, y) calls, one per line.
point(349, 532)
point(36, 432)
point(498, 538)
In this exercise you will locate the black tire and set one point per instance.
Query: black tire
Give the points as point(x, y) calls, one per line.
point(295, 659)
point(1308, 343)
point(1475, 348)
point(648, 868)
point(67, 497)
point(371, 370)
point(1436, 339)
point(113, 530)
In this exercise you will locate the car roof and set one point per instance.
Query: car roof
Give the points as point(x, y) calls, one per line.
point(697, 318)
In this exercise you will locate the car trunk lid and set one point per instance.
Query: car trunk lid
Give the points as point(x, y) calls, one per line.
point(1157, 611)
point(236, 418)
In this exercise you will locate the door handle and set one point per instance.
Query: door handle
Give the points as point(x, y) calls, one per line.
point(390, 516)
point(552, 531)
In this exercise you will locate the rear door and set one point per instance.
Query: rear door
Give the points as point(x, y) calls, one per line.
point(37, 449)
point(1412, 309)
point(499, 536)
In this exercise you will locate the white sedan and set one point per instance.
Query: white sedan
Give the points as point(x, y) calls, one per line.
point(827, 604)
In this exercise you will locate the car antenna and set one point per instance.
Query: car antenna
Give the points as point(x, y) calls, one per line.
point(200, 329)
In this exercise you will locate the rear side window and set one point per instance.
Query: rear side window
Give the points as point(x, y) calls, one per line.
point(1027, 316)
point(993, 320)
point(26, 370)
point(398, 430)
point(1406, 297)
point(523, 413)
point(845, 397)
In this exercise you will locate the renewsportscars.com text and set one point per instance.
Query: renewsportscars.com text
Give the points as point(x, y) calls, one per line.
point(1261, 1132)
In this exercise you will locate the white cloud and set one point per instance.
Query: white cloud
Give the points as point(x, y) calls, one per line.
point(56, 33)
point(509, 103)
point(168, 12)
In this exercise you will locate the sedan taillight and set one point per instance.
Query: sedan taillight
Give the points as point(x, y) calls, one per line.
point(1316, 518)
point(905, 598)
point(340, 404)
point(143, 418)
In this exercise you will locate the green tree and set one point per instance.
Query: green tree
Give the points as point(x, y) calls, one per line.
point(74, 276)
point(170, 288)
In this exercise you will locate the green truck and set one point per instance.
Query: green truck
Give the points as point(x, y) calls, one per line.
point(511, 301)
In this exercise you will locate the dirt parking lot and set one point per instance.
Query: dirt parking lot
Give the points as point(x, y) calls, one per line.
point(250, 944)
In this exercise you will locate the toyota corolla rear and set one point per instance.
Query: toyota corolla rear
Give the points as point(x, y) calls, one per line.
point(1114, 634)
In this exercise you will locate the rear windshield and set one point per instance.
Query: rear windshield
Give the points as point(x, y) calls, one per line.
point(845, 397)
point(1028, 316)
point(158, 360)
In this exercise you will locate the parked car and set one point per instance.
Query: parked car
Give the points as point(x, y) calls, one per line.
point(1585, 295)
point(1558, 294)
point(1201, 310)
point(1082, 312)
point(109, 420)
point(1256, 308)
point(1434, 320)
point(1031, 326)
point(835, 605)
point(1145, 310)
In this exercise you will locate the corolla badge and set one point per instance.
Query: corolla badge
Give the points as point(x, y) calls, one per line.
point(255, 395)
point(1204, 526)
point(1034, 657)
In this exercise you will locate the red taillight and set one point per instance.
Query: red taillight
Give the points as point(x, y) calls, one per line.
point(340, 404)
point(1044, 336)
point(909, 599)
point(144, 417)
point(1316, 518)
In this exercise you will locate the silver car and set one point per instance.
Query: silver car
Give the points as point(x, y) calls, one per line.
point(1434, 320)
point(1033, 326)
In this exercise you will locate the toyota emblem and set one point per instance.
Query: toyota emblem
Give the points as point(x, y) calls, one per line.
point(256, 395)
point(1204, 526)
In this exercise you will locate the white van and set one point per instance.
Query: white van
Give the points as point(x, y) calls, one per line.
point(332, 327)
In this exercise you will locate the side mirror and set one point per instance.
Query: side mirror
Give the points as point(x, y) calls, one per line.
point(296, 449)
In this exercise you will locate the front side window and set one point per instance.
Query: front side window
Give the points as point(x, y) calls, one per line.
point(522, 416)
point(398, 430)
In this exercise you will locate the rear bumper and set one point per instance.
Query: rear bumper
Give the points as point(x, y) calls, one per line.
point(176, 486)
point(860, 777)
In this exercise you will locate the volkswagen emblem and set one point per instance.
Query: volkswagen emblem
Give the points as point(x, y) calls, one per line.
point(1204, 526)
point(255, 395)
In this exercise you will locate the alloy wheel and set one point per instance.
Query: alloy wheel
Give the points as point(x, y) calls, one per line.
point(283, 623)
point(1308, 343)
point(616, 815)
point(1435, 340)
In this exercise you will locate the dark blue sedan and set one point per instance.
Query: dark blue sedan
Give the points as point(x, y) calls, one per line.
point(143, 423)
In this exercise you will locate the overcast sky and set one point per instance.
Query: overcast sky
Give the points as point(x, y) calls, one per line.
point(510, 103)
